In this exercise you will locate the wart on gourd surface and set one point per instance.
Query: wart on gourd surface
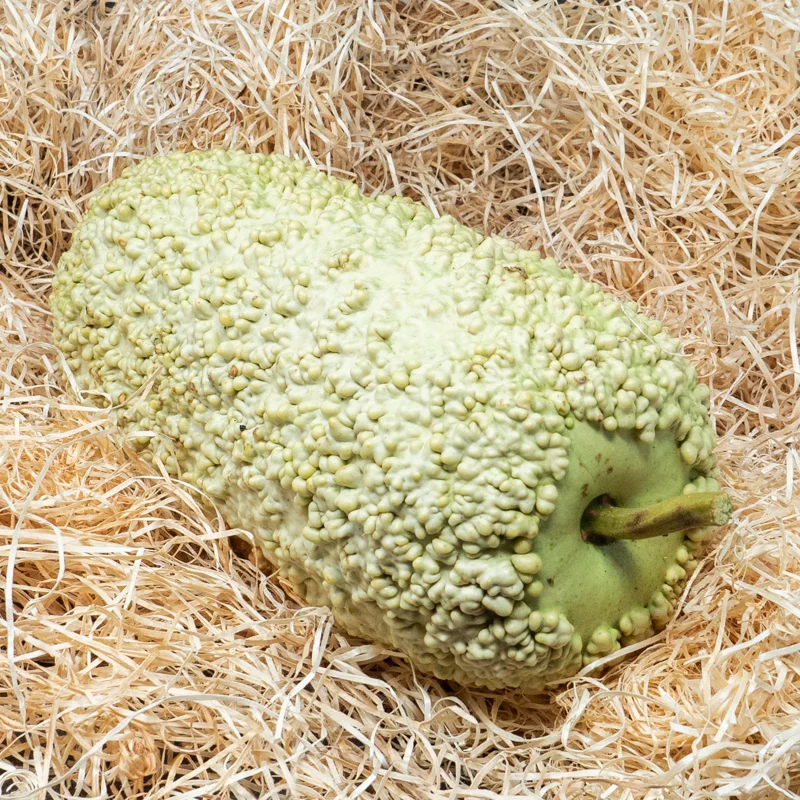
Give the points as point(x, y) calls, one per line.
point(437, 434)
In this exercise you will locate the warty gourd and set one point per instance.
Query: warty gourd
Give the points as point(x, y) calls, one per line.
point(467, 453)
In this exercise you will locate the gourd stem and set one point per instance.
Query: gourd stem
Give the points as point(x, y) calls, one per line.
point(603, 520)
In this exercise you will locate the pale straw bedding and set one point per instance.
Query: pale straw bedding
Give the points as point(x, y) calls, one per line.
point(652, 146)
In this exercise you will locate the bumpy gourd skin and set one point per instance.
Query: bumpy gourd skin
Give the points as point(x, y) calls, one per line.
point(409, 417)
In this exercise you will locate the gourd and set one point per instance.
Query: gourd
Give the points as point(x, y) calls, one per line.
point(467, 453)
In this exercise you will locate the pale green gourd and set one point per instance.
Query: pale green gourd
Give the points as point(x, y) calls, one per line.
point(411, 418)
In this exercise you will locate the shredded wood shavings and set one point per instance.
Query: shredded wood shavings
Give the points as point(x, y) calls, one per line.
point(651, 146)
